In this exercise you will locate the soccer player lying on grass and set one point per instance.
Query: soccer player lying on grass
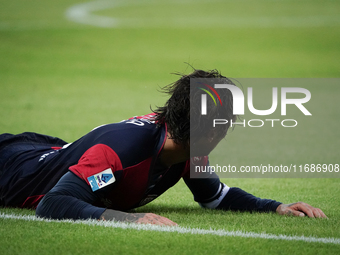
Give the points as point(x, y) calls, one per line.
point(121, 166)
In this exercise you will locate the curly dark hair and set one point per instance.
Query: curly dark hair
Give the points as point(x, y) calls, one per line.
point(176, 111)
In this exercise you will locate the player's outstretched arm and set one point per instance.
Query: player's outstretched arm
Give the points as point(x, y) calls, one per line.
point(144, 218)
point(211, 193)
point(235, 199)
point(72, 198)
point(300, 209)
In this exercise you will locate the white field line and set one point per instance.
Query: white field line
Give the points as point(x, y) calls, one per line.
point(177, 229)
point(83, 13)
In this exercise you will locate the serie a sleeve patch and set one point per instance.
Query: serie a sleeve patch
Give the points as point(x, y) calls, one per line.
point(101, 179)
point(91, 166)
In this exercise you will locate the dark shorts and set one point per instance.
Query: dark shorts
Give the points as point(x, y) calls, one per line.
point(21, 175)
point(12, 145)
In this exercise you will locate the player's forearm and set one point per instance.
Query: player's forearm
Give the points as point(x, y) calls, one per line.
point(238, 200)
point(70, 198)
point(57, 206)
point(211, 193)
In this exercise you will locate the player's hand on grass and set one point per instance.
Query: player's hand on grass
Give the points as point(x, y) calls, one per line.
point(151, 218)
point(141, 218)
point(300, 209)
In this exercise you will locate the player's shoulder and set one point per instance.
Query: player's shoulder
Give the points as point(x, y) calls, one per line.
point(141, 122)
point(135, 126)
point(146, 122)
point(140, 132)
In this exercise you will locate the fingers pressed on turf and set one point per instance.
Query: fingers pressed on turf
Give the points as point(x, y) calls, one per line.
point(316, 213)
point(322, 213)
point(305, 209)
point(296, 213)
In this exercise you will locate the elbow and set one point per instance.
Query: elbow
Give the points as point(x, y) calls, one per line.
point(41, 208)
point(45, 207)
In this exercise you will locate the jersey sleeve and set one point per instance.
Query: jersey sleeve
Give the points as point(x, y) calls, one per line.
point(97, 166)
point(70, 198)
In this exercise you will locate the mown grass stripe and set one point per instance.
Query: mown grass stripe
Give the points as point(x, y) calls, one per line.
point(178, 229)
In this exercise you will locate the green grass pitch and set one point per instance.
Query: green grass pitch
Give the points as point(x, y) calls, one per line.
point(63, 78)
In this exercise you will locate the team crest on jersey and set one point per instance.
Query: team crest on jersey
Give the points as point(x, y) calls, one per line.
point(101, 179)
point(196, 160)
